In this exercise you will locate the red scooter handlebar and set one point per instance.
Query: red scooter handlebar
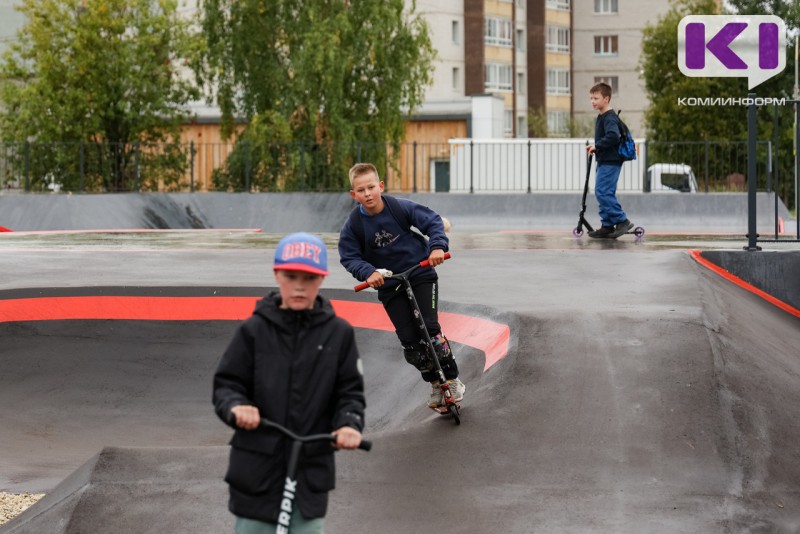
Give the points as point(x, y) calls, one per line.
point(423, 263)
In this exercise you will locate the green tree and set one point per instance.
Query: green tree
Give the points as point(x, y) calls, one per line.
point(667, 120)
point(339, 74)
point(92, 82)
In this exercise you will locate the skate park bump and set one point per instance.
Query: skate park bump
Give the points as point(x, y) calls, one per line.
point(129, 483)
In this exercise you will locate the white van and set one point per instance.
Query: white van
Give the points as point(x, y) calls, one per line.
point(670, 178)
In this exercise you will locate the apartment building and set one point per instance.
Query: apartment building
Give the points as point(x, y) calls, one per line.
point(607, 37)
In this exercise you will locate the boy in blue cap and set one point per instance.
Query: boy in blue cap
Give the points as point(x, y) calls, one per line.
point(378, 235)
point(294, 362)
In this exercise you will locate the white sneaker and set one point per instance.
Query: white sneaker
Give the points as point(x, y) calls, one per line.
point(457, 389)
point(436, 395)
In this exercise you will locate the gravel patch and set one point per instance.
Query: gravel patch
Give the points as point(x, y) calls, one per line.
point(13, 504)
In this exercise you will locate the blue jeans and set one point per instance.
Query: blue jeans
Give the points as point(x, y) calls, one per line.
point(605, 190)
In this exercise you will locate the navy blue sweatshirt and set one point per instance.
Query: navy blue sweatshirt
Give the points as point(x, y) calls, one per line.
point(389, 245)
point(606, 138)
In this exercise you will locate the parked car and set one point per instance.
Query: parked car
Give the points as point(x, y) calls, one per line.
point(671, 178)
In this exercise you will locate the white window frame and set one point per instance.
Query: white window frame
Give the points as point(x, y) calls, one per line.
point(498, 32)
point(608, 45)
point(456, 79)
point(521, 85)
point(508, 121)
point(613, 81)
point(521, 40)
point(498, 77)
point(558, 122)
point(558, 5)
point(522, 126)
point(455, 30)
point(606, 7)
point(558, 82)
point(558, 39)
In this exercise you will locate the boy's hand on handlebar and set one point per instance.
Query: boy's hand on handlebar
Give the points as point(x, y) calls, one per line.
point(375, 280)
point(436, 257)
point(247, 417)
point(347, 438)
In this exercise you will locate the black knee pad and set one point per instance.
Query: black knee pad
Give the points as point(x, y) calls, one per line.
point(418, 357)
point(446, 359)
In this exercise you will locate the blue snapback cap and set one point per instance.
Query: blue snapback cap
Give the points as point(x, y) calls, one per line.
point(301, 252)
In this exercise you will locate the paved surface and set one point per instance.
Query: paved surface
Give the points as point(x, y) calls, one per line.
point(641, 393)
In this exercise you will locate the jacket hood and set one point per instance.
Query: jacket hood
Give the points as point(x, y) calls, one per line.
point(269, 309)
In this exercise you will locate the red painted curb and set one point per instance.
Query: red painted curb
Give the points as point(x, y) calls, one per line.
point(4, 229)
point(696, 254)
point(490, 337)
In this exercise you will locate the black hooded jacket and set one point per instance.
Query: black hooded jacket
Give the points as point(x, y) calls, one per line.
point(302, 370)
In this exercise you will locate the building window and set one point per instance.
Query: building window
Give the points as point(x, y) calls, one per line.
point(605, 45)
point(520, 83)
point(522, 126)
point(456, 79)
point(605, 7)
point(508, 121)
point(456, 33)
point(521, 41)
point(558, 82)
point(558, 123)
point(557, 39)
point(497, 32)
point(560, 5)
point(613, 81)
point(499, 76)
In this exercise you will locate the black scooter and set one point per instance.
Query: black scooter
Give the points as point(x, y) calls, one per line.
point(582, 222)
point(450, 407)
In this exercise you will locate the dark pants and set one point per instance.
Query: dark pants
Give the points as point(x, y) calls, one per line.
point(400, 313)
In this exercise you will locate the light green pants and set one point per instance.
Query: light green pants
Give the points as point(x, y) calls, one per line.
point(298, 525)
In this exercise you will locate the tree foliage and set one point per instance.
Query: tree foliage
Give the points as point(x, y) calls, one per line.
point(112, 73)
point(337, 73)
point(667, 120)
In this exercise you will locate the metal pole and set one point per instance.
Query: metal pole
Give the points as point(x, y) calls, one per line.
point(706, 165)
point(27, 166)
point(247, 168)
point(83, 159)
point(137, 168)
point(414, 166)
point(776, 183)
point(529, 165)
point(191, 166)
point(471, 164)
point(752, 179)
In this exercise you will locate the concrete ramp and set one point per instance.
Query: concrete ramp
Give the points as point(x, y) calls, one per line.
point(145, 490)
point(680, 416)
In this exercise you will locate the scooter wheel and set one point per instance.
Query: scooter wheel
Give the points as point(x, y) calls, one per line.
point(577, 232)
point(453, 409)
point(638, 231)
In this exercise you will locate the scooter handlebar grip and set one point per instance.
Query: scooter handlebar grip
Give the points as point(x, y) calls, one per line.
point(365, 445)
point(361, 287)
point(425, 263)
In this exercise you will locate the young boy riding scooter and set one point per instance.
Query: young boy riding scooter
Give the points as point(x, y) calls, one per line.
point(377, 235)
point(607, 135)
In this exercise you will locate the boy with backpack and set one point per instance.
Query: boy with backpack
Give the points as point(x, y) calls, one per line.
point(608, 130)
point(378, 235)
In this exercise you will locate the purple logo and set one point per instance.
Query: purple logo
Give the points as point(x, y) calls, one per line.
point(751, 46)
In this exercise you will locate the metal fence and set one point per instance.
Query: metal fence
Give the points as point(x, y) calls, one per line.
point(461, 165)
